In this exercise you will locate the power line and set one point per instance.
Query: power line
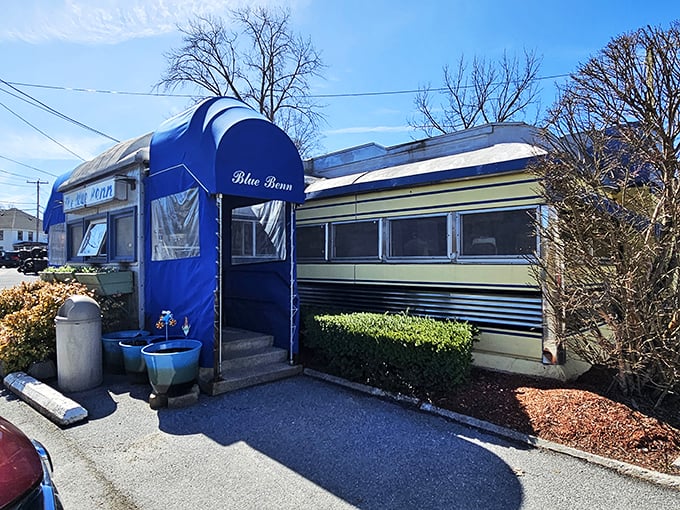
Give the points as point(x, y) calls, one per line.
point(415, 91)
point(40, 131)
point(320, 96)
point(100, 91)
point(12, 174)
point(39, 104)
point(28, 166)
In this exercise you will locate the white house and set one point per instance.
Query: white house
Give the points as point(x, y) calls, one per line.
point(17, 226)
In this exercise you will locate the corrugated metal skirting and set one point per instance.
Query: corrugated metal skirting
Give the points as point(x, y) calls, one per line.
point(515, 310)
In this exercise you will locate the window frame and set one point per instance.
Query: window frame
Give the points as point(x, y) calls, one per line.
point(252, 257)
point(421, 259)
point(112, 256)
point(527, 258)
point(90, 222)
point(325, 228)
point(371, 258)
point(108, 243)
point(71, 253)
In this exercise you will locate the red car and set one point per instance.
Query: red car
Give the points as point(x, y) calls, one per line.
point(25, 472)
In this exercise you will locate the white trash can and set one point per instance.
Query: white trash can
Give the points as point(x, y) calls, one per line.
point(79, 346)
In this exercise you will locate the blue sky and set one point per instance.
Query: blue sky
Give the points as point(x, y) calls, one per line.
point(368, 46)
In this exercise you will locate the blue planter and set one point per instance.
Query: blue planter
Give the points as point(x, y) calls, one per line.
point(171, 362)
point(113, 355)
point(135, 368)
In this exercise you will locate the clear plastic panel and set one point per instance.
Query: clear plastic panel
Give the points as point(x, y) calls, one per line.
point(258, 233)
point(174, 225)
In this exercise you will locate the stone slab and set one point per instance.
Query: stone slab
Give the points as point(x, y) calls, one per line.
point(186, 399)
point(45, 399)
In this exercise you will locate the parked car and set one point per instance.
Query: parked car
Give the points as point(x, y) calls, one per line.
point(25, 472)
point(10, 259)
point(33, 260)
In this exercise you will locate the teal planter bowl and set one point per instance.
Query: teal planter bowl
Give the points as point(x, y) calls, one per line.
point(135, 368)
point(171, 363)
point(113, 354)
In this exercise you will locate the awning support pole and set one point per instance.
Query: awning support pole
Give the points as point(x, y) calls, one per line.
point(217, 325)
point(292, 282)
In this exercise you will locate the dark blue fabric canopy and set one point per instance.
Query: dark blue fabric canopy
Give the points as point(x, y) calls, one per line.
point(54, 210)
point(229, 148)
point(221, 146)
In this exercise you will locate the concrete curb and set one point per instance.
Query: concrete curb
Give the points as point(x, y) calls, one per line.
point(45, 399)
point(665, 480)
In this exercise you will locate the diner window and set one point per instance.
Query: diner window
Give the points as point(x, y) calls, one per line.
point(358, 239)
point(174, 226)
point(123, 235)
point(506, 233)
point(94, 240)
point(30, 235)
point(311, 242)
point(20, 235)
point(75, 238)
point(418, 237)
point(258, 233)
point(2, 235)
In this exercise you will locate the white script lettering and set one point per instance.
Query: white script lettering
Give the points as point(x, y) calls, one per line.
point(271, 182)
point(240, 177)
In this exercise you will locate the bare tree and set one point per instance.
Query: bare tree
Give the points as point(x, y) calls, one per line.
point(261, 62)
point(479, 93)
point(612, 179)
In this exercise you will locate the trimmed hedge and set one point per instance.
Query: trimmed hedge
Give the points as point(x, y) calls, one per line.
point(396, 352)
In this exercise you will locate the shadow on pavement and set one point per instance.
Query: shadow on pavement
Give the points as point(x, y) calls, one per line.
point(366, 451)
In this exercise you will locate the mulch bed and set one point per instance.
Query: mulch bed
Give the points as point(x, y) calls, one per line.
point(587, 414)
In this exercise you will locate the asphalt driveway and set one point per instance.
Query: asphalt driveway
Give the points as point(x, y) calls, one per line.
point(305, 443)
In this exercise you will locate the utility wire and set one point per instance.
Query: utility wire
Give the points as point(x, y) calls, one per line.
point(326, 96)
point(99, 91)
point(40, 131)
point(39, 104)
point(28, 166)
point(12, 174)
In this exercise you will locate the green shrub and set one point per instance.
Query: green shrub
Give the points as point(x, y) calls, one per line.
point(61, 269)
point(27, 313)
point(396, 352)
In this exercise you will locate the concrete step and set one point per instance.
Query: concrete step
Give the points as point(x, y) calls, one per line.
point(236, 340)
point(236, 359)
point(245, 377)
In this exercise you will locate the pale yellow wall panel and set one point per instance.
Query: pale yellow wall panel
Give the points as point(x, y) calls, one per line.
point(320, 272)
point(518, 274)
point(344, 212)
point(416, 273)
point(508, 345)
point(443, 198)
point(507, 274)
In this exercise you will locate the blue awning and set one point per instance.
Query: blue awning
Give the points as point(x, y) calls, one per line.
point(229, 148)
point(54, 210)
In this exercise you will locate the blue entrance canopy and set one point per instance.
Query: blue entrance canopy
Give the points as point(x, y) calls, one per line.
point(229, 148)
point(217, 156)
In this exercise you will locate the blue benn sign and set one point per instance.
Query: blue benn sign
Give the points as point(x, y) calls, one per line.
point(95, 194)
